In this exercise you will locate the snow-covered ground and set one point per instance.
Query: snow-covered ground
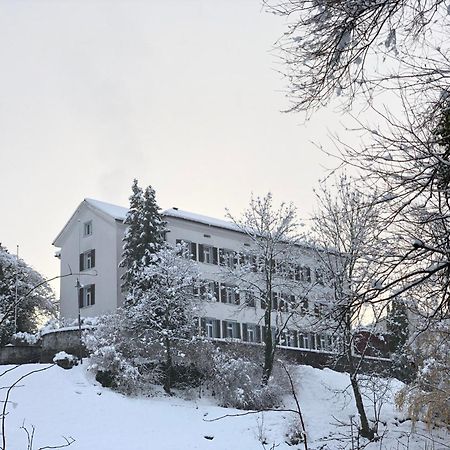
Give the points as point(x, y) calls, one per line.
point(71, 403)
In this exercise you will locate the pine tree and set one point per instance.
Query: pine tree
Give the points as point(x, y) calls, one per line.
point(144, 235)
point(397, 326)
point(167, 310)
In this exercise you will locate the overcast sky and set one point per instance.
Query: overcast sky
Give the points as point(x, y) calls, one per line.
point(184, 95)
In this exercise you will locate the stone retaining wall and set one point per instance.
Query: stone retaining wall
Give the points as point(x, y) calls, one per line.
point(68, 340)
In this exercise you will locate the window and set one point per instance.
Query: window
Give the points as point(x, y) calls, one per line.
point(283, 303)
point(87, 260)
point(210, 291)
point(87, 228)
point(227, 258)
point(191, 249)
point(86, 296)
point(304, 306)
point(306, 274)
point(285, 339)
point(230, 294)
point(320, 310)
point(250, 299)
point(210, 327)
point(319, 276)
point(303, 341)
point(207, 254)
point(274, 301)
point(231, 329)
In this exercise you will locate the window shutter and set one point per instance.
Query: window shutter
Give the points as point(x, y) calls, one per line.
point(244, 332)
point(224, 328)
point(258, 333)
point(194, 251)
point(203, 326)
point(216, 291)
point(254, 264)
point(92, 294)
point(237, 330)
point(293, 304)
point(216, 328)
point(201, 254)
point(263, 333)
point(221, 261)
point(81, 262)
point(308, 274)
point(294, 338)
point(223, 294)
point(93, 257)
point(263, 303)
point(274, 301)
point(215, 251)
point(80, 298)
point(237, 297)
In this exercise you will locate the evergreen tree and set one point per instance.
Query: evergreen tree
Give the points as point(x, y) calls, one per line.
point(35, 298)
point(144, 235)
point(397, 326)
point(167, 310)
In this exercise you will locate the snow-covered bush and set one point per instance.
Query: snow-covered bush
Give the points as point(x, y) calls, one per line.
point(65, 360)
point(120, 356)
point(427, 396)
point(24, 338)
point(237, 383)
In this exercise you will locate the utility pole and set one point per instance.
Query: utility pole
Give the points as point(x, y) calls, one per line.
point(16, 301)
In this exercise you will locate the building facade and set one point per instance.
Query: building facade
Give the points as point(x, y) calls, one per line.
point(90, 247)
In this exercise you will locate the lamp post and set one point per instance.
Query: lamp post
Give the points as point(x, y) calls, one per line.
point(79, 287)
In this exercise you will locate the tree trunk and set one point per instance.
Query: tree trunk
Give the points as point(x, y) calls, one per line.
point(365, 429)
point(168, 376)
point(269, 348)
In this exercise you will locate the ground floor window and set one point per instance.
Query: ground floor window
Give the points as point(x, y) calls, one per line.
point(86, 296)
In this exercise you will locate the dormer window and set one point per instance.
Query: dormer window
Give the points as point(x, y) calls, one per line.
point(87, 228)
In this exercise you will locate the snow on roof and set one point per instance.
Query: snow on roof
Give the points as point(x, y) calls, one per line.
point(115, 211)
point(193, 217)
point(120, 213)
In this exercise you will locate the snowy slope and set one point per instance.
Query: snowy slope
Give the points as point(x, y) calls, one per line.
point(70, 403)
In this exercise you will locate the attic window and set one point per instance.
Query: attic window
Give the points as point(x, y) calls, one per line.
point(207, 235)
point(87, 228)
point(247, 245)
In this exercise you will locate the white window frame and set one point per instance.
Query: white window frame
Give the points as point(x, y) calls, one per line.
point(251, 333)
point(87, 228)
point(209, 328)
point(208, 254)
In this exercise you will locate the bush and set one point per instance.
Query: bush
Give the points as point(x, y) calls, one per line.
point(237, 383)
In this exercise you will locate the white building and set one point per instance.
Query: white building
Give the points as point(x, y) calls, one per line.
point(90, 251)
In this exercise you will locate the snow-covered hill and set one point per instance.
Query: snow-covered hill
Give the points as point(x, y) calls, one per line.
point(70, 403)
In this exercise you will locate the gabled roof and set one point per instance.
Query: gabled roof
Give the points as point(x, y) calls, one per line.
point(107, 210)
point(115, 211)
point(119, 213)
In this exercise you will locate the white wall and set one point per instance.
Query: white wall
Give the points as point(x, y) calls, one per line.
point(103, 275)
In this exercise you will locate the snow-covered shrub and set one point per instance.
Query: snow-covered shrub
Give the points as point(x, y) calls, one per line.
point(24, 339)
point(65, 360)
point(237, 383)
point(119, 357)
point(427, 396)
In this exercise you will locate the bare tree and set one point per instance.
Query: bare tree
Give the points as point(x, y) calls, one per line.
point(351, 48)
point(267, 267)
point(350, 247)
